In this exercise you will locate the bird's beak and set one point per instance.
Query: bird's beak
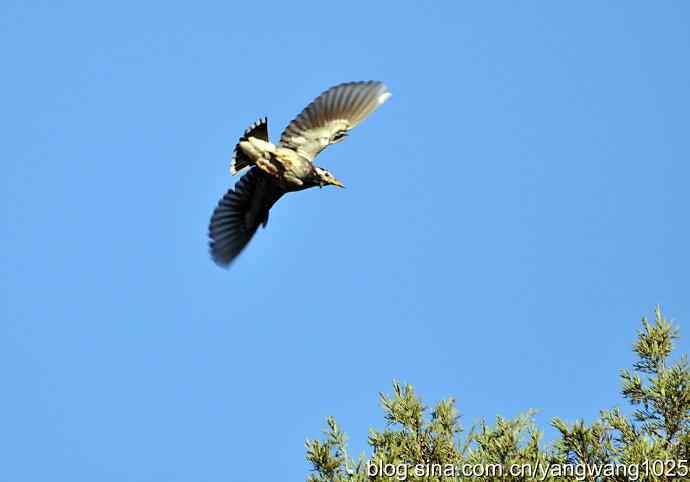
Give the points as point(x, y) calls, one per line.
point(335, 182)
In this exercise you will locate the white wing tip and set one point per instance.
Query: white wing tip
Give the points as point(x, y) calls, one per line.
point(384, 97)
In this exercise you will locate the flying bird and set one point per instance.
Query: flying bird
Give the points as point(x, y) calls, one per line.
point(276, 169)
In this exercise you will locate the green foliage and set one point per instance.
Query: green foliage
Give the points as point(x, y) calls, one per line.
point(422, 445)
point(664, 399)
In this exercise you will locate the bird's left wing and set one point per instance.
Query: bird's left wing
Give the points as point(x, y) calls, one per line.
point(240, 213)
point(328, 118)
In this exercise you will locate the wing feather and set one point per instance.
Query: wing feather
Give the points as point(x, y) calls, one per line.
point(338, 109)
point(239, 214)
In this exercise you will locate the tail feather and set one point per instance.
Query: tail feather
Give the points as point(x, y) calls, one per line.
point(240, 160)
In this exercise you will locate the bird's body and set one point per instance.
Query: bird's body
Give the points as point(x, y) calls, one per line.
point(289, 168)
point(276, 169)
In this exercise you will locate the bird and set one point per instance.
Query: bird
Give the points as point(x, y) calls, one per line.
point(277, 169)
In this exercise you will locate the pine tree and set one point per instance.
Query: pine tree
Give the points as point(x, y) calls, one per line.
point(423, 445)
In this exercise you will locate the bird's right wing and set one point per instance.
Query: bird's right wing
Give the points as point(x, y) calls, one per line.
point(328, 118)
point(239, 214)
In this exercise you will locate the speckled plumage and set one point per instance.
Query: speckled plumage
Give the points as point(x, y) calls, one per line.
point(277, 169)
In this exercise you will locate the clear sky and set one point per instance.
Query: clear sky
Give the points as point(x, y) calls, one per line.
point(511, 213)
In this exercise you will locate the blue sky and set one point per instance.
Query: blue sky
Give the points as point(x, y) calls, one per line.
point(511, 213)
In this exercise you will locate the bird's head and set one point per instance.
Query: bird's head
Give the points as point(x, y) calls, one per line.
point(324, 177)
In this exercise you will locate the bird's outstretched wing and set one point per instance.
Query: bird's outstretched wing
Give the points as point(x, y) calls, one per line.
point(328, 118)
point(258, 129)
point(239, 214)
